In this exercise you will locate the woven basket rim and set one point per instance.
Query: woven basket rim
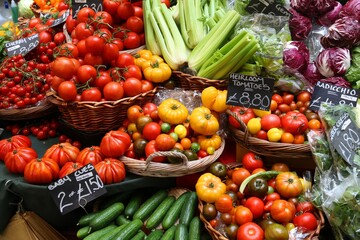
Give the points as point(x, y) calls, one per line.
point(188, 76)
point(313, 235)
point(156, 169)
point(261, 146)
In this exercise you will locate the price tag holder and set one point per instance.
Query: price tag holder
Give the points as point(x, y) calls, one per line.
point(77, 189)
point(332, 94)
point(250, 91)
point(345, 137)
point(76, 5)
point(61, 19)
point(22, 46)
point(271, 7)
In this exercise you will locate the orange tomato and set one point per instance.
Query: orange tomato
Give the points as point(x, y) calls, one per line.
point(243, 215)
point(257, 170)
point(314, 124)
point(299, 139)
point(224, 203)
point(273, 105)
point(239, 175)
point(287, 137)
point(178, 146)
point(186, 143)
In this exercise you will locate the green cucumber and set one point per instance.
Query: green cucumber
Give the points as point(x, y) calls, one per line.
point(174, 212)
point(157, 216)
point(155, 235)
point(83, 232)
point(118, 197)
point(181, 232)
point(195, 228)
point(106, 216)
point(139, 236)
point(121, 219)
point(129, 231)
point(188, 210)
point(150, 205)
point(169, 233)
point(99, 233)
point(85, 220)
point(134, 203)
point(111, 234)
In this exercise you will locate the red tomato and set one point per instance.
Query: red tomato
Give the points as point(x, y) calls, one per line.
point(303, 207)
point(294, 122)
point(45, 37)
point(251, 161)
point(270, 121)
point(111, 170)
point(70, 23)
point(135, 24)
point(113, 91)
point(92, 94)
point(132, 87)
point(68, 168)
point(138, 12)
point(132, 70)
point(278, 99)
point(68, 50)
point(151, 130)
point(62, 153)
point(119, 43)
point(9, 144)
point(304, 96)
point(146, 86)
point(202, 153)
point(282, 211)
point(245, 114)
point(110, 52)
point(307, 221)
point(125, 10)
point(243, 215)
point(16, 160)
point(83, 30)
point(134, 112)
point(256, 206)
point(102, 19)
point(102, 79)
point(148, 108)
point(63, 67)
point(239, 175)
point(132, 40)
point(250, 231)
point(67, 91)
point(94, 45)
point(86, 73)
point(124, 59)
point(85, 15)
point(115, 143)
point(262, 134)
point(41, 171)
point(288, 98)
point(111, 6)
point(104, 33)
point(92, 59)
point(81, 48)
point(91, 155)
point(272, 196)
point(33, 22)
point(150, 148)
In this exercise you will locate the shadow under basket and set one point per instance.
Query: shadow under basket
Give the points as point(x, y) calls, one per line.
point(97, 116)
point(264, 147)
point(190, 82)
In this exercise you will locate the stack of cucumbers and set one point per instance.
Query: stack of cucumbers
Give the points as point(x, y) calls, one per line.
point(158, 216)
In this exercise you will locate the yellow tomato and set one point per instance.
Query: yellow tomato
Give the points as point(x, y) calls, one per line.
point(261, 113)
point(210, 150)
point(157, 72)
point(274, 134)
point(254, 125)
point(209, 187)
point(180, 130)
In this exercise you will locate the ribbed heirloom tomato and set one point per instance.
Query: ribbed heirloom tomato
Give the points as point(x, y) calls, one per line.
point(41, 171)
point(115, 143)
point(16, 160)
point(68, 168)
point(111, 170)
point(62, 153)
point(11, 143)
point(90, 155)
point(288, 184)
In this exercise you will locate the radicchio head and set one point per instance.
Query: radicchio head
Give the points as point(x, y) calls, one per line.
point(312, 74)
point(296, 55)
point(300, 26)
point(333, 61)
point(351, 9)
point(313, 8)
point(338, 81)
point(331, 16)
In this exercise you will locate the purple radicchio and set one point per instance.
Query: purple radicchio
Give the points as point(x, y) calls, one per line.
point(331, 16)
point(338, 81)
point(296, 55)
point(333, 61)
point(345, 32)
point(300, 26)
point(312, 74)
point(313, 8)
point(351, 9)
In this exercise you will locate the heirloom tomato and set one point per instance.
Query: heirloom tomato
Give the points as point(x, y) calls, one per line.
point(239, 175)
point(209, 141)
point(245, 114)
point(11, 143)
point(270, 121)
point(62, 153)
point(164, 142)
point(209, 187)
point(224, 203)
point(276, 231)
point(306, 221)
point(172, 111)
point(251, 161)
point(115, 143)
point(111, 170)
point(214, 99)
point(250, 231)
point(282, 211)
point(134, 112)
point(256, 206)
point(16, 160)
point(151, 130)
point(288, 184)
point(151, 148)
point(68, 168)
point(157, 72)
point(91, 155)
point(294, 122)
point(203, 121)
point(41, 171)
point(218, 169)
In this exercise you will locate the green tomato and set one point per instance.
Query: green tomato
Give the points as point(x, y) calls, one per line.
point(195, 147)
point(174, 136)
point(165, 127)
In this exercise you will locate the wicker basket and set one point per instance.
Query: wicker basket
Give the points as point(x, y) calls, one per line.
point(156, 169)
point(97, 116)
point(45, 108)
point(35, 9)
point(266, 148)
point(190, 82)
point(216, 235)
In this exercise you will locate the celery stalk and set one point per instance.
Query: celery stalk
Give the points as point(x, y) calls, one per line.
point(213, 40)
point(150, 40)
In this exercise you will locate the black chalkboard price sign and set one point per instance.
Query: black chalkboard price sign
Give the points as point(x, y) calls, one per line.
point(271, 7)
point(76, 5)
point(332, 94)
point(76, 189)
point(345, 137)
point(22, 46)
point(250, 91)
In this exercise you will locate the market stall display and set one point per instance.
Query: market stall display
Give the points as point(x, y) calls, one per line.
point(145, 96)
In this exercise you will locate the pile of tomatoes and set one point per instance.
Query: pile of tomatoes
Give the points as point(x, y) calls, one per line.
point(287, 121)
point(248, 202)
point(167, 128)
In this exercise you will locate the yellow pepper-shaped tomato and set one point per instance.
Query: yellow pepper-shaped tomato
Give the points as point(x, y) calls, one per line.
point(209, 187)
point(157, 72)
point(144, 53)
point(203, 122)
point(214, 99)
point(209, 141)
point(172, 111)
